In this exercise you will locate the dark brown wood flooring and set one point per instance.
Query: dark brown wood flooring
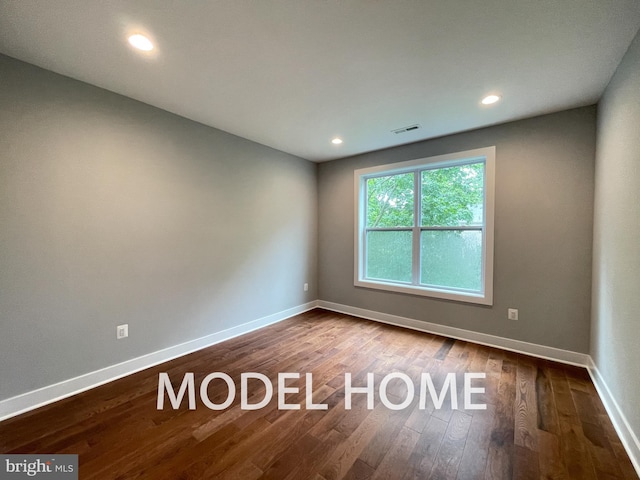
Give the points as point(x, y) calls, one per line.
point(543, 419)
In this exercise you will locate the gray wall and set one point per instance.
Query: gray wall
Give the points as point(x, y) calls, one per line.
point(616, 256)
point(543, 231)
point(112, 211)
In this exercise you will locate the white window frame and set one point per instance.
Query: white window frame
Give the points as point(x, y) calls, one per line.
point(485, 295)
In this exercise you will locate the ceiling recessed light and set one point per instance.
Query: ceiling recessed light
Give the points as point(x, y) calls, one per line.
point(336, 141)
point(489, 99)
point(141, 42)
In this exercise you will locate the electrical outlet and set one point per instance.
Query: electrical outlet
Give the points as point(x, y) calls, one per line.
point(122, 331)
point(306, 287)
point(512, 314)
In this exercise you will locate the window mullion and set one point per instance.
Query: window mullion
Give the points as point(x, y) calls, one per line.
point(417, 209)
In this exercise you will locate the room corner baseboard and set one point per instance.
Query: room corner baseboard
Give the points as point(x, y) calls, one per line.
point(25, 402)
point(518, 346)
point(627, 436)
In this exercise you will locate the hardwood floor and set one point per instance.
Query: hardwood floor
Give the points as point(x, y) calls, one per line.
point(543, 420)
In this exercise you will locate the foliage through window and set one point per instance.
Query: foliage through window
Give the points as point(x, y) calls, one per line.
point(426, 226)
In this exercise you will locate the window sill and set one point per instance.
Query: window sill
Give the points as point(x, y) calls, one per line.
point(457, 296)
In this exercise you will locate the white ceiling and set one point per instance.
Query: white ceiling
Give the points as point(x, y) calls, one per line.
point(292, 74)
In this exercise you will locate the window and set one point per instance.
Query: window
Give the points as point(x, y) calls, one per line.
point(425, 226)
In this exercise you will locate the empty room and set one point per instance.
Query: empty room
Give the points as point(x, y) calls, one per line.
point(319, 239)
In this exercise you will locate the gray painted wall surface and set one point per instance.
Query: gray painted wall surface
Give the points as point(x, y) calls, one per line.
point(112, 211)
point(543, 231)
point(616, 260)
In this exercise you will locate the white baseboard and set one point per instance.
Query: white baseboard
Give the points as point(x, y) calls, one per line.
point(51, 393)
point(518, 346)
point(620, 423)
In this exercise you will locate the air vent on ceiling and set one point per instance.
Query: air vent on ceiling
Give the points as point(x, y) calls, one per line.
point(410, 128)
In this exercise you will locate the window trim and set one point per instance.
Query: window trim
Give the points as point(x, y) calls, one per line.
point(487, 155)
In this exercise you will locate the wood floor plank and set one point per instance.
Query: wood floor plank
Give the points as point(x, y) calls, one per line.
point(574, 451)
point(526, 411)
point(476, 449)
point(543, 419)
point(379, 445)
point(450, 453)
point(500, 456)
point(359, 471)
point(311, 463)
point(422, 459)
point(447, 343)
point(550, 462)
point(288, 460)
point(346, 454)
point(525, 464)
point(546, 414)
point(395, 458)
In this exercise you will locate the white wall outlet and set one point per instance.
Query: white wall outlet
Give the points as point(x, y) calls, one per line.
point(122, 331)
point(306, 287)
point(512, 313)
